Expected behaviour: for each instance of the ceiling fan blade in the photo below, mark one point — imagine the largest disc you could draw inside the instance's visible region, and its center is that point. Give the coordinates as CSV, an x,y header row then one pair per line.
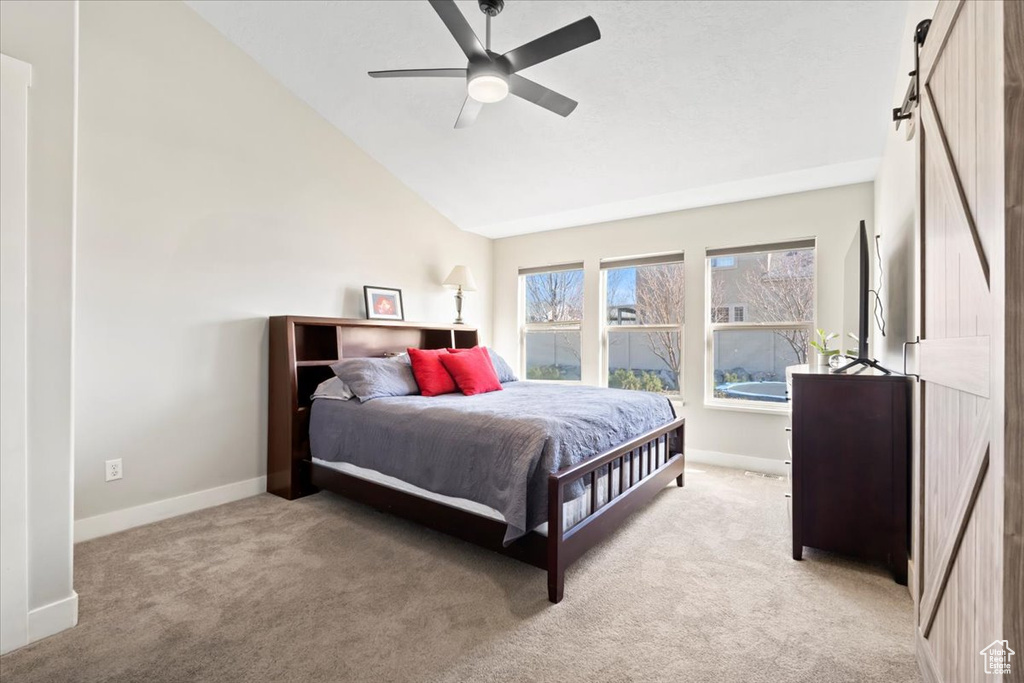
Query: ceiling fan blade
x,y
539,95
459,28
470,109
419,73
576,34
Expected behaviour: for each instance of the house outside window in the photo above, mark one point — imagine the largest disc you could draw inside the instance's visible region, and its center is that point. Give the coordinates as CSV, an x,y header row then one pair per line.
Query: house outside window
x,y
643,325
552,304
733,313
722,262
760,316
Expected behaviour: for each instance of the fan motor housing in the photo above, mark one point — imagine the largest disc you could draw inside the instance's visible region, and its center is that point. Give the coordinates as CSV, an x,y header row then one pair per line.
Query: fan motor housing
x,y
488,80
498,66
492,8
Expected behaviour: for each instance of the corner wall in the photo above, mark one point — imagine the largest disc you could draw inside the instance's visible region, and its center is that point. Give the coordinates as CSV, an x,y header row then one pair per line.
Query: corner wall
x,y
45,36
210,199
726,436
896,213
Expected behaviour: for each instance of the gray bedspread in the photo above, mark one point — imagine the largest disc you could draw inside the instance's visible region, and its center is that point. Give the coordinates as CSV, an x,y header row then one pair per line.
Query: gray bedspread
x,y
496,449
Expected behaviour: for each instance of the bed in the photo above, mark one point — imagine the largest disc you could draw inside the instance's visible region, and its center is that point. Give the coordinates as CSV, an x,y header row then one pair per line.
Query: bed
x,y
538,472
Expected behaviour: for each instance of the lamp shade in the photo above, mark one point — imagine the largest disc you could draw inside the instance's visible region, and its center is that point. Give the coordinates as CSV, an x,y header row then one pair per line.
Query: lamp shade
x,y
461,276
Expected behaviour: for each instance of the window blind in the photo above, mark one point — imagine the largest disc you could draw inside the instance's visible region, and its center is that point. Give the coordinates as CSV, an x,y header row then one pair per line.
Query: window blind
x,y
560,268
758,248
635,261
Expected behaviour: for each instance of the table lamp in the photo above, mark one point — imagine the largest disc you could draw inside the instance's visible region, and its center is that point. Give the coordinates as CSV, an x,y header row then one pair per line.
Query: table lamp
x,y
460,277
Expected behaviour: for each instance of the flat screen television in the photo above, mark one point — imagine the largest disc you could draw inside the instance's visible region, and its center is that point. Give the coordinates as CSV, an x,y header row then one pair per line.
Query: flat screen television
x,y
862,305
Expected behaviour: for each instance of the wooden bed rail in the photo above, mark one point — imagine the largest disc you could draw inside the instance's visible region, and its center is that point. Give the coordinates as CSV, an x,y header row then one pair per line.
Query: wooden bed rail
x,y
652,459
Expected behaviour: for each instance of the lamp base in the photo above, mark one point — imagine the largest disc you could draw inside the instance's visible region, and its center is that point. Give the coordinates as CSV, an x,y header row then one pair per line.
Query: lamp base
x,y
458,307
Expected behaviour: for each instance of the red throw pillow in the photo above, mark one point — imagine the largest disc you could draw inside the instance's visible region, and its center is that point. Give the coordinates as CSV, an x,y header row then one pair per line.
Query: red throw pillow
x,y
472,348
472,370
430,374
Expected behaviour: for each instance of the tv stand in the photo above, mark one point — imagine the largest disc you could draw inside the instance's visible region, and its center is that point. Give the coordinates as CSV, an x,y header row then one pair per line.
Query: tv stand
x,y
851,471
866,362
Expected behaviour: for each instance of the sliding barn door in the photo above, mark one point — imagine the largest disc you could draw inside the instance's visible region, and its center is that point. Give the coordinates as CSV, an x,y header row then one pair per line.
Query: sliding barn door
x,y
960,479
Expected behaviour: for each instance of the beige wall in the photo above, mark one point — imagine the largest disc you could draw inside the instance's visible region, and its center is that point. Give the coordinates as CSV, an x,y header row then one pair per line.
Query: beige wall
x,y
830,215
211,198
45,35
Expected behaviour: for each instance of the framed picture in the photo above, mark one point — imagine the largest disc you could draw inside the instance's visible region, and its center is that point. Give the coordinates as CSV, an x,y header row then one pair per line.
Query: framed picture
x,y
383,303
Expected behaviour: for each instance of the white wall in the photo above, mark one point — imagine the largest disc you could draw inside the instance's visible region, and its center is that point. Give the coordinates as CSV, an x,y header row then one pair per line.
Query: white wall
x,y
15,78
45,35
830,215
896,223
895,211
210,199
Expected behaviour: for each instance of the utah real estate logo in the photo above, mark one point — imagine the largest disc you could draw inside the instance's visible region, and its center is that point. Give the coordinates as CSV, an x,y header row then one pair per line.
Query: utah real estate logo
x,y
997,658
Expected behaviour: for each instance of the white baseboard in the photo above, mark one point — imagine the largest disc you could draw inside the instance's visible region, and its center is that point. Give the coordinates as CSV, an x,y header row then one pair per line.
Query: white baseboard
x,y
120,520
739,462
51,619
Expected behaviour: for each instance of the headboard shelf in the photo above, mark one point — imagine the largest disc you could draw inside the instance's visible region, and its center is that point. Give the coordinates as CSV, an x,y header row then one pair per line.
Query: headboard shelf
x,y
361,322
316,342
302,349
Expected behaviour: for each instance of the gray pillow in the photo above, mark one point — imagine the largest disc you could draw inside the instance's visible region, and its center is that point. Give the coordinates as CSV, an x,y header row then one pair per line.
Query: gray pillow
x,y
502,368
369,378
333,389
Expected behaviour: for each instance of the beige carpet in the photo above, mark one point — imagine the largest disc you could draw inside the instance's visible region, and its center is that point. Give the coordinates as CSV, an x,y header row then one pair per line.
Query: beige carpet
x,y
699,586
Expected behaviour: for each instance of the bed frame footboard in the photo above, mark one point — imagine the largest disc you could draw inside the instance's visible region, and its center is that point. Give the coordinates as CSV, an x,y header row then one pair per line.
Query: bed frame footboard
x,y
620,481
644,465
302,350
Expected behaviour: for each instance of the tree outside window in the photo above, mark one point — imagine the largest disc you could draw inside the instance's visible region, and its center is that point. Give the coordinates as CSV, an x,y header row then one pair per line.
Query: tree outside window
x,y
761,313
551,330
644,326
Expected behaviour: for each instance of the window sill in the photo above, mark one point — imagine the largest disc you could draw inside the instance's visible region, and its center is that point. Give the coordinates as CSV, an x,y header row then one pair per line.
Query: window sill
x,y
781,409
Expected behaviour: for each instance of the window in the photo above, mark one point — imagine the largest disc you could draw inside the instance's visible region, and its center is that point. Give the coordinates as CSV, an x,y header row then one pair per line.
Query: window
x,y
553,312
644,324
760,318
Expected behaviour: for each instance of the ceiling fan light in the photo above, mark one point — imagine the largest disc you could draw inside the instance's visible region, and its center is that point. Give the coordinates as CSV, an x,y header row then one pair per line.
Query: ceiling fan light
x,y
488,88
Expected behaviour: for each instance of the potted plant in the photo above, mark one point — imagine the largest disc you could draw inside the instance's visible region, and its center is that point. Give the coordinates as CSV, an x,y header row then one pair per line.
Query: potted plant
x,y
823,351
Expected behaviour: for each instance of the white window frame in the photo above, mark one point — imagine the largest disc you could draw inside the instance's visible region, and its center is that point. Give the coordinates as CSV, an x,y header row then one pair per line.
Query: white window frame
x,y
607,329
526,328
739,404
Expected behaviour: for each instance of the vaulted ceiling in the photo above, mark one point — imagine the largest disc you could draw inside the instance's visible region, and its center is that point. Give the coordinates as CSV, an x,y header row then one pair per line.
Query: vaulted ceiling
x,y
681,103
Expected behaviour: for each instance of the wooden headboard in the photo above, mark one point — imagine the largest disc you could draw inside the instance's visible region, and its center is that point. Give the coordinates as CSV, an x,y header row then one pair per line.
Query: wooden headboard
x,y
301,352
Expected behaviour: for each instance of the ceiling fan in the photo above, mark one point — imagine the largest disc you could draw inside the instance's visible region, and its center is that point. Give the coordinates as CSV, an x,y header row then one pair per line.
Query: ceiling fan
x,y
490,77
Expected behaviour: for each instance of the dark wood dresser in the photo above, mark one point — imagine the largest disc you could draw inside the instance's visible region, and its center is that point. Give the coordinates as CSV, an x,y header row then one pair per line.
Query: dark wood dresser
x,y
851,460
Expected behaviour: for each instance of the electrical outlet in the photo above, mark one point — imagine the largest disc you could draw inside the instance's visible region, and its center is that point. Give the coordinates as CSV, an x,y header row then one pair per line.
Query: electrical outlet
x,y
113,469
